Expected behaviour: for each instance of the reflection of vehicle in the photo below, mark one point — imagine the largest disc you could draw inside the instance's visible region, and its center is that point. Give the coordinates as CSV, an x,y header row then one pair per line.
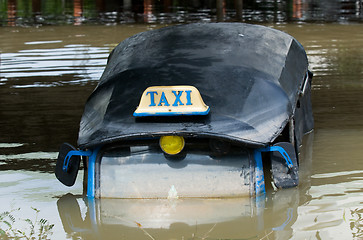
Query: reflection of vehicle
x,y
194,111
228,218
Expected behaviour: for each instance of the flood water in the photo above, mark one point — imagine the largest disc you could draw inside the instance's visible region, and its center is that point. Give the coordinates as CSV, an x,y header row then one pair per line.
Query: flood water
x,y
46,75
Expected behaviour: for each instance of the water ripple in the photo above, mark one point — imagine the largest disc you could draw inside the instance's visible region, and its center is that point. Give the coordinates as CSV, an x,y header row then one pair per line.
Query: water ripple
x,y
79,60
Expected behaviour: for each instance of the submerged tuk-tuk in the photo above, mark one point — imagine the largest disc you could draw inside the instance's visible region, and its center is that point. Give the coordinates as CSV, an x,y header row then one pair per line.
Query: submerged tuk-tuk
x,y
197,110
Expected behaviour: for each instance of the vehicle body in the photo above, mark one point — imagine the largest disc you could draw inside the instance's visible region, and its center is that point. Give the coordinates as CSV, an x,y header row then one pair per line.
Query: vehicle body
x,y
227,100
227,218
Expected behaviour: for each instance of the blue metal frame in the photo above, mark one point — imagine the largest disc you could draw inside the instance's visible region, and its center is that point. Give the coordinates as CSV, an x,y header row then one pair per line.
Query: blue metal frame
x,y
282,151
259,176
91,173
260,181
92,154
74,153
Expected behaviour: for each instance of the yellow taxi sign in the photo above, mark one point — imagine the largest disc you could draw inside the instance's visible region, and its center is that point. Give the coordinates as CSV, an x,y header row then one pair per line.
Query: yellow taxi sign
x,y
171,100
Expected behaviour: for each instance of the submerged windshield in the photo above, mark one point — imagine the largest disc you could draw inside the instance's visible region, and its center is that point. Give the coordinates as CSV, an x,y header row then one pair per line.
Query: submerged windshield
x,y
146,172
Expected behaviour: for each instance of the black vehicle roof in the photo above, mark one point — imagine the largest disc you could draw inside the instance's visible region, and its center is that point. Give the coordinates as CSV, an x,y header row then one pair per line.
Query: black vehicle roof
x,y
249,76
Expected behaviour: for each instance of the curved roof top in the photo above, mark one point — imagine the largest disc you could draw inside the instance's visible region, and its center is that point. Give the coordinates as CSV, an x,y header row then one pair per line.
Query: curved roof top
x,y
248,75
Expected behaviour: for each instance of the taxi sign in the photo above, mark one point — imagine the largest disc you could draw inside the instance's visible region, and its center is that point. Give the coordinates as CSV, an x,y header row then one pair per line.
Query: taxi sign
x,y
171,100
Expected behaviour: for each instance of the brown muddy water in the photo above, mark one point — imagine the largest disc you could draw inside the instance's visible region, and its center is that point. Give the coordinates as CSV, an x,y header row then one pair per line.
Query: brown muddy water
x,y
46,75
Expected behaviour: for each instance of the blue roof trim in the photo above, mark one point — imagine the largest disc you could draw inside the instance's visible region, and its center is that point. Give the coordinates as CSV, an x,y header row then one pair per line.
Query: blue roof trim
x,y
172,114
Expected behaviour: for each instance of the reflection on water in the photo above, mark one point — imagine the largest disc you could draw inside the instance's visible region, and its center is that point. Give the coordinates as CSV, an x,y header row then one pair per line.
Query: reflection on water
x,y
178,219
46,75
69,59
77,12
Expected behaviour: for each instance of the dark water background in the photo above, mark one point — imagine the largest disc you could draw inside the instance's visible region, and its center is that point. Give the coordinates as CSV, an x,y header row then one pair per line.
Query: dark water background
x,y
111,12
47,72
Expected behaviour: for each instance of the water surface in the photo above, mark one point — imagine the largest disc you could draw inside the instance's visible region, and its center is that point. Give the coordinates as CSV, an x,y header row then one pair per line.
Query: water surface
x,y
46,75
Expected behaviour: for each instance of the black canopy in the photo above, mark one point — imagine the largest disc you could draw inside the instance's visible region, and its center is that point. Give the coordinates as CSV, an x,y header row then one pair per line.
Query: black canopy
x,y
249,76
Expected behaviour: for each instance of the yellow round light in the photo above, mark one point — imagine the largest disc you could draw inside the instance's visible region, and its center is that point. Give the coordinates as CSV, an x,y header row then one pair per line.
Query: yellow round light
x,y
172,144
